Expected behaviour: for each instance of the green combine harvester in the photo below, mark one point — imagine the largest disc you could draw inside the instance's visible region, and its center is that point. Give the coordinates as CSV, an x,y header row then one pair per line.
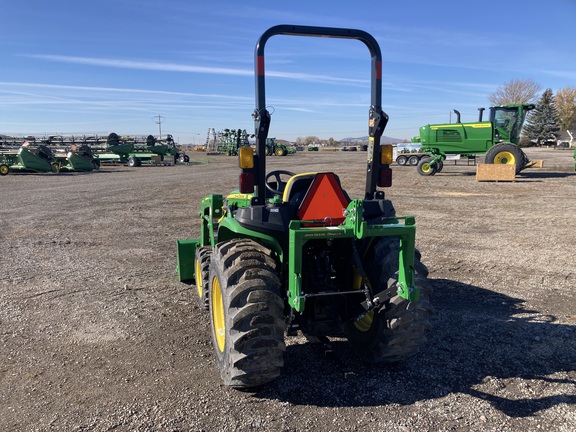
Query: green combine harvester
x,y
498,138
290,252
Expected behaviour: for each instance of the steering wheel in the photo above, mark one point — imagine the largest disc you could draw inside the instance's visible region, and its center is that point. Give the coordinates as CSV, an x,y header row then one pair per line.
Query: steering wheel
x,y
279,184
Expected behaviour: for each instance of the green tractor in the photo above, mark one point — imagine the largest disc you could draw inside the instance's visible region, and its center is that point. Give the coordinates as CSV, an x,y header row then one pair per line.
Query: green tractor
x,y
293,252
273,147
498,138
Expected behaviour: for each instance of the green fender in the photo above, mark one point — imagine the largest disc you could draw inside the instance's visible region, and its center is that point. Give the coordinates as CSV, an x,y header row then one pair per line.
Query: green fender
x,y
229,229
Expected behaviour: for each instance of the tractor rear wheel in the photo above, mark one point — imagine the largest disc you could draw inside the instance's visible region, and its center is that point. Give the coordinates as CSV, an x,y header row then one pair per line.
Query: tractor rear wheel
x,y
426,168
507,154
398,329
246,313
201,273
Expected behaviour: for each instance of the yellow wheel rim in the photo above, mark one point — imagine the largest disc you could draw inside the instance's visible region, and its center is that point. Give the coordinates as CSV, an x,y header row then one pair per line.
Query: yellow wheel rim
x,y
505,158
218,314
364,323
198,276
4,169
426,167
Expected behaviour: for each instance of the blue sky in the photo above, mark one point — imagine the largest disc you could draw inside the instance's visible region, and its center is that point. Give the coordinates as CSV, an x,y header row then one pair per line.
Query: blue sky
x,y
94,67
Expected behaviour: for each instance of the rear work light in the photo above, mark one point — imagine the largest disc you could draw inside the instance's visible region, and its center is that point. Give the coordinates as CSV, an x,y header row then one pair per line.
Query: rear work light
x,y
247,182
246,157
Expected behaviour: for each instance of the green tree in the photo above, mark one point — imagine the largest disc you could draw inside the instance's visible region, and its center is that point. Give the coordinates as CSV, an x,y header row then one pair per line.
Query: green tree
x,y
517,91
565,101
542,122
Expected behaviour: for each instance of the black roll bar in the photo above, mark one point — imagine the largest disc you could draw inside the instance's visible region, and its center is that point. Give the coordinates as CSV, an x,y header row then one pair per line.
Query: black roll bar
x,y
377,118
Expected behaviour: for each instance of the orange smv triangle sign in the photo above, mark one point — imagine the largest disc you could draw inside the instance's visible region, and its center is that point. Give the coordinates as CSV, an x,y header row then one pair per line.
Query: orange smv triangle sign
x,y
325,201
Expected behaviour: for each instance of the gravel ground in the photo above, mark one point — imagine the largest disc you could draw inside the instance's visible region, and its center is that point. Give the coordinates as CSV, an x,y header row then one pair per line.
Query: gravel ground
x,y
97,334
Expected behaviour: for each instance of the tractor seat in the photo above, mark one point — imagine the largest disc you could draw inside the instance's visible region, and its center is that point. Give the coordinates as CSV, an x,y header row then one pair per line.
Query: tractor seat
x,y
317,197
296,188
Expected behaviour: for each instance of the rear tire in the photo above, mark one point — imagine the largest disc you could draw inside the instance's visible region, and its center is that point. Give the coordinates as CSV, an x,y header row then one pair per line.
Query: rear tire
x,y
398,329
413,160
246,313
506,154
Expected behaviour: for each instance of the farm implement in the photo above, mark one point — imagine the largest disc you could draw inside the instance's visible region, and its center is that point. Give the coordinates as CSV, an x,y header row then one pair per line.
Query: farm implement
x,y
39,159
289,252
134,153
498,138
42,158
229,141
85,153
77,158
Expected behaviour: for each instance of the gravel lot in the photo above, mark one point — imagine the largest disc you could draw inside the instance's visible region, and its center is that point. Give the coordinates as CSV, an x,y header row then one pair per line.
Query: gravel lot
x,y
97,334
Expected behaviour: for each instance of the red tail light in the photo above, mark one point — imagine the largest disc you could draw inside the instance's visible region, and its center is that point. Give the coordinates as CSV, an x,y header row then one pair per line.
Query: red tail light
x,y
247,182
385,179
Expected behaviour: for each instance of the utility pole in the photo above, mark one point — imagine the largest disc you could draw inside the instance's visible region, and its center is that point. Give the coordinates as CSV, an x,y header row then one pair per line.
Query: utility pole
x,y
158,121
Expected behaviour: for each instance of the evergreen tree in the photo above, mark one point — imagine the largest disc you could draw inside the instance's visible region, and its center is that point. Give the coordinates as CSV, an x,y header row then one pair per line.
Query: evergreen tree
x,y
542,122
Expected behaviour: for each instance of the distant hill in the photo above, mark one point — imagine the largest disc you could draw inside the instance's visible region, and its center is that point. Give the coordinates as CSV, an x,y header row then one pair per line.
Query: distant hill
x,y
383,140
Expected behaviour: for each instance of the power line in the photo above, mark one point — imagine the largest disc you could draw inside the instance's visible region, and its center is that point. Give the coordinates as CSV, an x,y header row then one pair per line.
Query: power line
x,y
158,121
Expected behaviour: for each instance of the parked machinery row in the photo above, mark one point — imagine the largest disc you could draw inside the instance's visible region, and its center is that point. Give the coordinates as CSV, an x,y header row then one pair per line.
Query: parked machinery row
x,y
56,153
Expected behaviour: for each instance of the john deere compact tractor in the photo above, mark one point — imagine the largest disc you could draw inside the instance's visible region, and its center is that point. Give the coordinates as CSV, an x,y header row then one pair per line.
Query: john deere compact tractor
x,y
294,252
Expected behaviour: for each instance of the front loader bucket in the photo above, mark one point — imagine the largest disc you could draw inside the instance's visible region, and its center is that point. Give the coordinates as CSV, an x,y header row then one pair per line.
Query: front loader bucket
x,y
186,250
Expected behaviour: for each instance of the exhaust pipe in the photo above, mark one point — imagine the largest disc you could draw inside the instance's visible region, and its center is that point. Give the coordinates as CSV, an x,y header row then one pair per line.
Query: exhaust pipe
x,y
457,116
480,113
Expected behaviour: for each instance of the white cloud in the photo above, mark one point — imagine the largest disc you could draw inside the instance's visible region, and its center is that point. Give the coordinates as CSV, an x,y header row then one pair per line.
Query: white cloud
x,y
173,67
